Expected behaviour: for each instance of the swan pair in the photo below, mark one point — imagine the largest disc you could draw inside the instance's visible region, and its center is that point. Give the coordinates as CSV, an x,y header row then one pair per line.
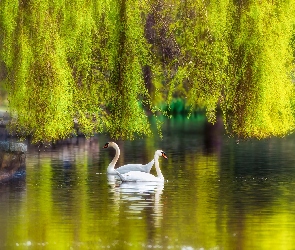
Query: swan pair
x,y
135,172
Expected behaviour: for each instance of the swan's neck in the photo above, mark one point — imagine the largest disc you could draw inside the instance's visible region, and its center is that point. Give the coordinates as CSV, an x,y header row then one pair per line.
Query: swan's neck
x,y
159,173
111,166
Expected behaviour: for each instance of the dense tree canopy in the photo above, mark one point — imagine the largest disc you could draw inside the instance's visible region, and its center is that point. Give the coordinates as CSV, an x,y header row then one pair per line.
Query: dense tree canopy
x,y
106,65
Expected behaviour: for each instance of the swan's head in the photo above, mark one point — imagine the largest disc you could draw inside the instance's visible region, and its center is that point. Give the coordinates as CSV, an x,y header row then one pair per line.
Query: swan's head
x,y
161,153
111,144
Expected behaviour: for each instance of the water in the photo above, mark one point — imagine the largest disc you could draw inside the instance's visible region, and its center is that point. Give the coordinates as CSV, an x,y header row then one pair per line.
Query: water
x,y
220,194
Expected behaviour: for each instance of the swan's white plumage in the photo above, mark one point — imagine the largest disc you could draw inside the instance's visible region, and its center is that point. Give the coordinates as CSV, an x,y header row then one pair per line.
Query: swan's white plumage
x,y
137,176
126,168
135,167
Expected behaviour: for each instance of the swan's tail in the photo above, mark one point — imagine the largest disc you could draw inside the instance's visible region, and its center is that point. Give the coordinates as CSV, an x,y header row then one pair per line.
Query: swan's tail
x,y
120,175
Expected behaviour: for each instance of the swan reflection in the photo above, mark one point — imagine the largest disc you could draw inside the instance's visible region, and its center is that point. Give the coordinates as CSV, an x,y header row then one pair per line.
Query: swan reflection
x,y
141,200
141,187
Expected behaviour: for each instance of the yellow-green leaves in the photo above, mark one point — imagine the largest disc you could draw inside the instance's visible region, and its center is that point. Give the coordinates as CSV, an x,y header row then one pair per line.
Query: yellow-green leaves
x,y
126,52
102,64
261,90
68,63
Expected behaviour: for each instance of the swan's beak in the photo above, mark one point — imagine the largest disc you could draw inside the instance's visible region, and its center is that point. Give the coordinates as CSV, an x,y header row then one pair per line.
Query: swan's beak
x,y
164,155
106,145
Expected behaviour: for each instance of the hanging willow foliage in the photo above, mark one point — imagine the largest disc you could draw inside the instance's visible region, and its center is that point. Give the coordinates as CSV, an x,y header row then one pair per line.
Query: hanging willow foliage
x,y
127,54
202,34
236,56
103,64
259,98
40,81
75,61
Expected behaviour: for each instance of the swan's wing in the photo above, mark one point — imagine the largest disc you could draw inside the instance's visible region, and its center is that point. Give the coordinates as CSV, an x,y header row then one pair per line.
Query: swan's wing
x,y
135,167
122,178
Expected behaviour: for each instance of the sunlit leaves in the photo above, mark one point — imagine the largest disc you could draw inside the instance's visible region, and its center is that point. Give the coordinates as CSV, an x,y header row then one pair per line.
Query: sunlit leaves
x,y
40,84
102,64
126,54
261,90
201,29
8,20
237,57
68,63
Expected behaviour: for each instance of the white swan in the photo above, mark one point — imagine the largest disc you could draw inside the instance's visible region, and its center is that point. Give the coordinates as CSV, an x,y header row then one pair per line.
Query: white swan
x,y
142,176
126,168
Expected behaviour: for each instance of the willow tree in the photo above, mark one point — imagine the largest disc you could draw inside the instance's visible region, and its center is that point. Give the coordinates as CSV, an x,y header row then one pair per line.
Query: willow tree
x,y
165,52
39,78
201,31
102,63
127,53
75,61
258,100
235,56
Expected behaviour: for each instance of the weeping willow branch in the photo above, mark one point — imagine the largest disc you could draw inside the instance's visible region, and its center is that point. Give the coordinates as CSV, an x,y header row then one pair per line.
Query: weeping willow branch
x,y
103,64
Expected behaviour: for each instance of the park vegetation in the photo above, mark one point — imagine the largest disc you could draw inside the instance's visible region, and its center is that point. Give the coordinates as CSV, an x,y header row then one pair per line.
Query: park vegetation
x,y
107,65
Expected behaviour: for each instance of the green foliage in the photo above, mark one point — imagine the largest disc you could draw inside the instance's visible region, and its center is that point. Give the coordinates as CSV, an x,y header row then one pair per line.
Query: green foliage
x,y
205,53
259,99
40,84
236,57
82,61
126,91
67,65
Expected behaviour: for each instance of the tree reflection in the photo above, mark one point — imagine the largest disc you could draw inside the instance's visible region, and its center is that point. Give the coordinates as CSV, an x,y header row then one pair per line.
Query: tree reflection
x,y
238,197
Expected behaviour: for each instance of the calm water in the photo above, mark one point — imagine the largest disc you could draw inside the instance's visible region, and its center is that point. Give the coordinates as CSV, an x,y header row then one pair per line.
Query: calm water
x,y
220,194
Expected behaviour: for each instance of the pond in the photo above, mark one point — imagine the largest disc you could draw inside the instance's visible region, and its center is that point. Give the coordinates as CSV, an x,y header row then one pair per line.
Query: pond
x,y
220,193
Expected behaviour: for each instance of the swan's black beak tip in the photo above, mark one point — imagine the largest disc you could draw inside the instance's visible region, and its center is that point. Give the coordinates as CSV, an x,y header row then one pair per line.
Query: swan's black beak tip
x,y
106,145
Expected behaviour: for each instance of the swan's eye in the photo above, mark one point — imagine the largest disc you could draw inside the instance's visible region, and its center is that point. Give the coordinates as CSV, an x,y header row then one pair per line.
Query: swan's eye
x,y
106,145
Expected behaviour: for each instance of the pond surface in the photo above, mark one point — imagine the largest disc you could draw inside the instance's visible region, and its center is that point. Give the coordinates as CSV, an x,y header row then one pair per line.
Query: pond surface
x,y
220,194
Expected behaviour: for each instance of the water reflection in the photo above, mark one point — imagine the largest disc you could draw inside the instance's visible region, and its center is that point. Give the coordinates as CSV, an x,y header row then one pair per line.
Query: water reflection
x,y
235,196
142,200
